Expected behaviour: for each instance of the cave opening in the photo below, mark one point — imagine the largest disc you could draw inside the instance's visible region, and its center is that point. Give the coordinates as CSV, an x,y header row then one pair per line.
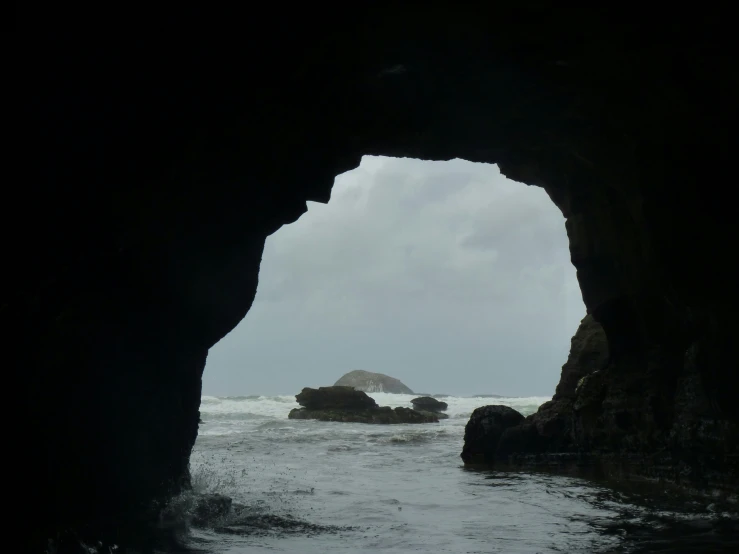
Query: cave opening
x,y
444,274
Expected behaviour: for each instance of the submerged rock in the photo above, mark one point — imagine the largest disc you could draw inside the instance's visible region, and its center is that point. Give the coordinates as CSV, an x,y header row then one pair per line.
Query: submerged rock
x,y
210,507
372,382
484,431
245,522
352,406
429,404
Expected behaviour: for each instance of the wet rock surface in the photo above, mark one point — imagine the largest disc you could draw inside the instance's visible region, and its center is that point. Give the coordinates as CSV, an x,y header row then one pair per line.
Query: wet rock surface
x,y
245,523
335,398
210,507
347,405
609,418
484,430
429,404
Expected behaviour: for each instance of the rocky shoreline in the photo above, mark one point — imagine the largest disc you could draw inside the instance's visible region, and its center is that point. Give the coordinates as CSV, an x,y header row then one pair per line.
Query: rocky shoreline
x,y
617,423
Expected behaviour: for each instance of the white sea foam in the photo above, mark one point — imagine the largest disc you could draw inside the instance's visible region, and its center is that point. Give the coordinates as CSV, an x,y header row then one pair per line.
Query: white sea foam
x,y
228,415
460,406
271,406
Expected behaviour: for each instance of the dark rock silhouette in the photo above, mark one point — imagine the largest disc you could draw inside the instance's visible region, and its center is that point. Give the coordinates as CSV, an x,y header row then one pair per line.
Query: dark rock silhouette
x,y
484,431
349,405
335,398
429,404
368,381
575,410
604,413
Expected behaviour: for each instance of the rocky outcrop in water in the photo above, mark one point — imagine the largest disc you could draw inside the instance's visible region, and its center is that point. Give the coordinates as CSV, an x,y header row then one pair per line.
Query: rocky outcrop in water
x,y
153,176
608,417
484,431
430,405
335,398
348,405
577,401
368,381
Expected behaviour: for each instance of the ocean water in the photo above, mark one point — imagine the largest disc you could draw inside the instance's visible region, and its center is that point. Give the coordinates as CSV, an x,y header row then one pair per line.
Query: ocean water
x,y
321,487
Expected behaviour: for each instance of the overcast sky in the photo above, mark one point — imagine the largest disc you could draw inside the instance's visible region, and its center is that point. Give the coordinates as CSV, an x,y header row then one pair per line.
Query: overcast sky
x,y
445,275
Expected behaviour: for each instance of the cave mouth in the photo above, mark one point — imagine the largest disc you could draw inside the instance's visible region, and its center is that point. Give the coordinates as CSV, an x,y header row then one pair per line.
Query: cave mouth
x,y
445,275
412,268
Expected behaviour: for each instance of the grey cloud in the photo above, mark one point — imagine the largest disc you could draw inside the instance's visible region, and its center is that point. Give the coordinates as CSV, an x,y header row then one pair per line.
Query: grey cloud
x,y
443,274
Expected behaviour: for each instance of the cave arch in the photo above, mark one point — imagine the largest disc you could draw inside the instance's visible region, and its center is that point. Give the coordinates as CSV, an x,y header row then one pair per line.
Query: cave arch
x,y
145,221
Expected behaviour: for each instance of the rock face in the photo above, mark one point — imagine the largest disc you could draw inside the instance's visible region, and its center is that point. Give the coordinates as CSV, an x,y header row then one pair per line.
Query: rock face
x,y
484,430
153,176
335,398
553,426
372,382
345,404
429,404
607,415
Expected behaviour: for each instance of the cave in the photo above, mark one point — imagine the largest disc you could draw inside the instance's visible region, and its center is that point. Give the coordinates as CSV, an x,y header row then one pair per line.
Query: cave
x,y
151,176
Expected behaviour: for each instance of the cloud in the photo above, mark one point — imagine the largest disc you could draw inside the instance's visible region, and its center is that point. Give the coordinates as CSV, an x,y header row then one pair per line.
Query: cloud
x,y
444,274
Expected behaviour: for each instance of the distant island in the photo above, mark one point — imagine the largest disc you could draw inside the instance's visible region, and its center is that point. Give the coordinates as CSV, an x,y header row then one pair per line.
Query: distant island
x,y
367,381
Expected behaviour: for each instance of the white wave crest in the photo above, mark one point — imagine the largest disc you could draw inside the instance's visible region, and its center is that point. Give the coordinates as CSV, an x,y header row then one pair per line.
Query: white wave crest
x,y
279,406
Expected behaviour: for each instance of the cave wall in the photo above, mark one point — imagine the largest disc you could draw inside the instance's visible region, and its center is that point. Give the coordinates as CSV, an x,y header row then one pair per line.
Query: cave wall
x,y
151,175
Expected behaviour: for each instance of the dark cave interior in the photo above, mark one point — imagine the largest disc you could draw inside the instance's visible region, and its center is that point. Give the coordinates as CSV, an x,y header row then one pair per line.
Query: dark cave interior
x,y
152,176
